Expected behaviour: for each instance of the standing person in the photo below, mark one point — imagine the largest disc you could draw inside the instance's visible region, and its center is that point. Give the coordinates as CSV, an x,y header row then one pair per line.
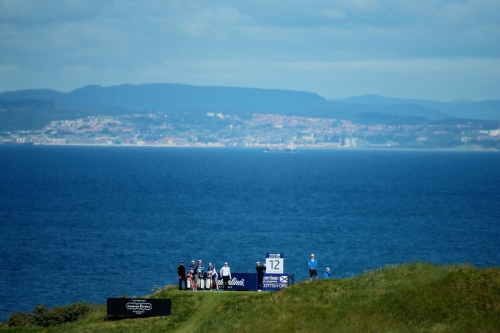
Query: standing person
x,y
313,265
215,277
212,276
200,269
181,272
192,271
225,272
260,275
326,274
189,280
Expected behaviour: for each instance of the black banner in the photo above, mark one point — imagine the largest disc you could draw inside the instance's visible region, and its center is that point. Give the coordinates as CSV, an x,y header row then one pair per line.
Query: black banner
x,y
139,307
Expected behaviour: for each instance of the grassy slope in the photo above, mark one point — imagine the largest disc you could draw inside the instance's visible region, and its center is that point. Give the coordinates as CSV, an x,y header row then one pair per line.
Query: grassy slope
x,y
403,298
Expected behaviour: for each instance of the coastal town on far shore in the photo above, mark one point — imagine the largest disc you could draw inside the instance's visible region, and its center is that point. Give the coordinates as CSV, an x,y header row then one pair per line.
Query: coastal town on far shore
x,y
273,131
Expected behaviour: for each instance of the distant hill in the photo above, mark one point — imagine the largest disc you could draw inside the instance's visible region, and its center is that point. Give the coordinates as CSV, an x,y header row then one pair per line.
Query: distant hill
x,y
401,110
485,110
179,97
26,103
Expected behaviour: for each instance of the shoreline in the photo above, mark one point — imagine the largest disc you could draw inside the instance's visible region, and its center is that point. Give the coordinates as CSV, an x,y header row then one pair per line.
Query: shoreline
x,y
299,148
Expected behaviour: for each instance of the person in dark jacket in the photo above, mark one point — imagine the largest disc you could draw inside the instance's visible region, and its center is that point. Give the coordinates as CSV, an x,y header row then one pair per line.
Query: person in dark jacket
x,y
260,275
181,272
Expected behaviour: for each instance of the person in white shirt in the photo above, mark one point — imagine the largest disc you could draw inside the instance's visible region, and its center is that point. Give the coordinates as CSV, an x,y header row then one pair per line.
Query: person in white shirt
x,y
225,272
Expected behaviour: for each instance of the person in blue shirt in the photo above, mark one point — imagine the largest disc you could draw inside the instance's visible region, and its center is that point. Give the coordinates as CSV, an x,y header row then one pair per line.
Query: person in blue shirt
x,y
313,265
326,273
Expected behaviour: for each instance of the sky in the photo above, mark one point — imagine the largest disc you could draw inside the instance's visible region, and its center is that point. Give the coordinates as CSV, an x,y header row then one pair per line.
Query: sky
x,y
427,49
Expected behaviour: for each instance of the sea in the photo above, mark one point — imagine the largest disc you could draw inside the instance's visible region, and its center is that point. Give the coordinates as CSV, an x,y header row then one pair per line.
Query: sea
x,y
83,223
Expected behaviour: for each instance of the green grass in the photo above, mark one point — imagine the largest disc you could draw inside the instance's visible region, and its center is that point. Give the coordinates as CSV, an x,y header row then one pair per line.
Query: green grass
x,y
404,298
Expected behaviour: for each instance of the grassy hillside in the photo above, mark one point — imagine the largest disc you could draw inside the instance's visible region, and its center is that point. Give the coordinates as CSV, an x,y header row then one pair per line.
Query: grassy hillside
x,y
403,298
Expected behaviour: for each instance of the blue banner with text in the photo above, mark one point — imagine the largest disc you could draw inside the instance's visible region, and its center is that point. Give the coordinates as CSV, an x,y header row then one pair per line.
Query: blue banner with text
x,y
276,281
241,281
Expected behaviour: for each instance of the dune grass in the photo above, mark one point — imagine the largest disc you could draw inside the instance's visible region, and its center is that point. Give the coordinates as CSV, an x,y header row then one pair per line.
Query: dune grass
x,y
416,297
405,298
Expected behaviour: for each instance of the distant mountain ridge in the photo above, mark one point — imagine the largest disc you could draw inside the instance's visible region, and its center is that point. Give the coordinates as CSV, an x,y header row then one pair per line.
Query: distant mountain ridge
x,y
234,100
167,96
487,110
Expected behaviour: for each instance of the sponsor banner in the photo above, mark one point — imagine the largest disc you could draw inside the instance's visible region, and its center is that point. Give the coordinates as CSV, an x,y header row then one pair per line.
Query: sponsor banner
x,y
276,281
241,281
139,307
275,255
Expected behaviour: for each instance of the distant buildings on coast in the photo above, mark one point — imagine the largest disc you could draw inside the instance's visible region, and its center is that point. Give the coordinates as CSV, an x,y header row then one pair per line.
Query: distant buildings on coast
x,y
257,130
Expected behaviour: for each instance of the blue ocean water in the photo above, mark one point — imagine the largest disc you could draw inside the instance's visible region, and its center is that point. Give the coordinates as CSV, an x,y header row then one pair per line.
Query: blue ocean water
x,y
87,223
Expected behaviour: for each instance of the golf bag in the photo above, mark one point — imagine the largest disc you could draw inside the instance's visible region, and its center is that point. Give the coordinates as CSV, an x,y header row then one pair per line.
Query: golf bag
x,y
189,282
208,284
201,281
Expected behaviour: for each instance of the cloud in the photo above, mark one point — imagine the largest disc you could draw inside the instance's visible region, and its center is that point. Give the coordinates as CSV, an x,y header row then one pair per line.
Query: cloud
x,y
334,14
110,42
40,13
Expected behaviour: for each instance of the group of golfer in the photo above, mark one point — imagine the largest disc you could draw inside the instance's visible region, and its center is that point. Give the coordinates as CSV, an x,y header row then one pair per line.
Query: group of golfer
x,y
197,278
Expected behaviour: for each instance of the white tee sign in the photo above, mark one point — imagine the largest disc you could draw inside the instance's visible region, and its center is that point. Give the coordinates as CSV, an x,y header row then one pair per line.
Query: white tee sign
x,y
275,263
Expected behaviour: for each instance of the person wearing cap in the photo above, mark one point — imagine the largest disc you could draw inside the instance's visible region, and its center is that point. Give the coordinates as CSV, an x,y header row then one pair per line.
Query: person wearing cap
x,y
212,273
198,276
181,272
313,265
215,277
326,273
192,270
260,275
225,272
